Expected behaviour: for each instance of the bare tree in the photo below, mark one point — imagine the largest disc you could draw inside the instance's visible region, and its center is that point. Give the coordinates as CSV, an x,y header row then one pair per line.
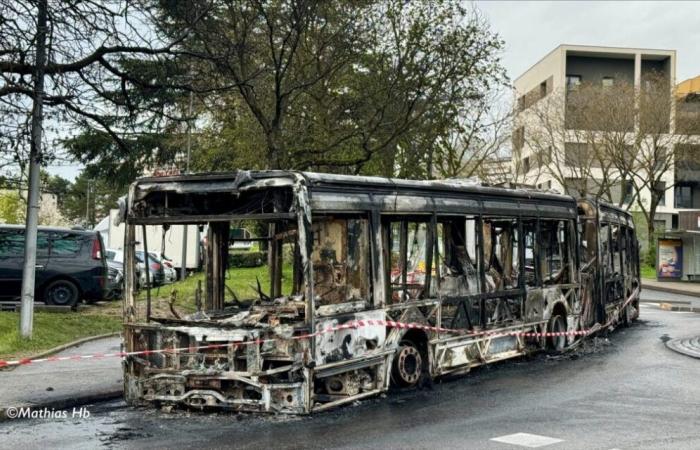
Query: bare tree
x,y
478,148
87,81
657,150
58,60
563,140
616,143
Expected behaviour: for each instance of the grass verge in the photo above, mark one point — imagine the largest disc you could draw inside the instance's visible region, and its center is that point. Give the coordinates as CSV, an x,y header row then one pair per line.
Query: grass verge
x,y
648,272
55,328
50,330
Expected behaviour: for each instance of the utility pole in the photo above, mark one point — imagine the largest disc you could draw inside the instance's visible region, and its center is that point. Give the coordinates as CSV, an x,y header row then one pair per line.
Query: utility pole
x,y
87,205
27,311
183,264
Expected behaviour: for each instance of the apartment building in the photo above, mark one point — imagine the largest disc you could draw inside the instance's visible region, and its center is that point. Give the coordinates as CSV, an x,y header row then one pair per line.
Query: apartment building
x,y
559,74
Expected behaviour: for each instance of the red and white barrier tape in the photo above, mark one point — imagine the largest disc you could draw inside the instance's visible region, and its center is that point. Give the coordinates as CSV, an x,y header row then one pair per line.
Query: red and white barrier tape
x,y
345,326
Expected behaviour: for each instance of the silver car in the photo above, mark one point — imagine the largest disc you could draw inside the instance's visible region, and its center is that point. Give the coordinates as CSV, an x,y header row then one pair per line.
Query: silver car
x,y
168,269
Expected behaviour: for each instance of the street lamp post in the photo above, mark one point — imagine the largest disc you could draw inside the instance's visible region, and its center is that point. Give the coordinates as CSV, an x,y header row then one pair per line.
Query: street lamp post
x,y
183,264
28,271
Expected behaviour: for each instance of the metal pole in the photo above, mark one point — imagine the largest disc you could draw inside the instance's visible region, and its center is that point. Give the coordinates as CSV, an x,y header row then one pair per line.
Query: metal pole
x,y
27,311
183,263
87,205
147,263
189,134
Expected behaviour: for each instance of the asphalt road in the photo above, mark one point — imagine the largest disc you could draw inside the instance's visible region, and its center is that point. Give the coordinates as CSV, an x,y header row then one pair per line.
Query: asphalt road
x,y
628,391
64,381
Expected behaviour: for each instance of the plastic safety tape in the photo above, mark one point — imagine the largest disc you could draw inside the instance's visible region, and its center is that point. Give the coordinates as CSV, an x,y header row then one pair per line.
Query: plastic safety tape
x,y
354,324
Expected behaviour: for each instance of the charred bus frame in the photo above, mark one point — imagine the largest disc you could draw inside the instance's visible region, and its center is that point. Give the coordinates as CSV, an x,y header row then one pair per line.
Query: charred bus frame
x,y
497,265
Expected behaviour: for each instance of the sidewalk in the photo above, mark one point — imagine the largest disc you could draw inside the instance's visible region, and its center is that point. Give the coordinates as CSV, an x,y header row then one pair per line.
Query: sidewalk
x,y
62,384
673,287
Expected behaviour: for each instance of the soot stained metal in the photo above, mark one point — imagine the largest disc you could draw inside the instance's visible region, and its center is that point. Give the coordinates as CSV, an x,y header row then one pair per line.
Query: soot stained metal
x,y
339,249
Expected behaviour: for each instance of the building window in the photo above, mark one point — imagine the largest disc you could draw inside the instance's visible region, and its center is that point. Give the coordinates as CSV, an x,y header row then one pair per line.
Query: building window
x,y
660,191
683,197
608,81
572,82
526,165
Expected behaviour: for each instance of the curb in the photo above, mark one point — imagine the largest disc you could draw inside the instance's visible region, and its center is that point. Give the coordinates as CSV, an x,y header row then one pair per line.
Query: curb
x,y
652,301
66,346
675,307
670,290
64,403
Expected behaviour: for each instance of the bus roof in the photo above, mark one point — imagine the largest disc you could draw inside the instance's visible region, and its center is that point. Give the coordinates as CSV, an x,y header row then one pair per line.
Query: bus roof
x,y
339,193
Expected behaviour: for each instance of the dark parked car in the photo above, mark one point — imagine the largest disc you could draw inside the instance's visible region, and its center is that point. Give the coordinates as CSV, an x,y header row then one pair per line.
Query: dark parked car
x,y
70,265
116,280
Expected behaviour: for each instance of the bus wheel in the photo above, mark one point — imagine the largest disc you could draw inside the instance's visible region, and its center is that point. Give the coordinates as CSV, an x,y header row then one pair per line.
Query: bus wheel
x,y
557,324
407,366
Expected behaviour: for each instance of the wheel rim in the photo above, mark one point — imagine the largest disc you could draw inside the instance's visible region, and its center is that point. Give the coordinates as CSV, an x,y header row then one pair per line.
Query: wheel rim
x,y
408,365
61,294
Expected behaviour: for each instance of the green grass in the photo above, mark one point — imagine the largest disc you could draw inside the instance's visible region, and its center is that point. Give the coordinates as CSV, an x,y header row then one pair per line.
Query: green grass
x,y
50,329
240,280
53,328
648,272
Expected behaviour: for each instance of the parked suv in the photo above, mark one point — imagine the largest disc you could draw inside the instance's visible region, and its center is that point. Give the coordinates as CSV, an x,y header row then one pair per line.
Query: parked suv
x,y
70,265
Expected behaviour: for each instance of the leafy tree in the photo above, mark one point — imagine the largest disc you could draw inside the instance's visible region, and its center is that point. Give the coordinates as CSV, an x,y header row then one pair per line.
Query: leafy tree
x,y
88,199
11,207
56,185
354,87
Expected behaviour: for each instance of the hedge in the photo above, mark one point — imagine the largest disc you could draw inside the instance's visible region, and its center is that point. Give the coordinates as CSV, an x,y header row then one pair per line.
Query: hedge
x,y
247,259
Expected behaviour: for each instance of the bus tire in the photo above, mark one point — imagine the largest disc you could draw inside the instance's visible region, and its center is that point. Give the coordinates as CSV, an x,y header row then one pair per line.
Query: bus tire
x,y
557,324
407,366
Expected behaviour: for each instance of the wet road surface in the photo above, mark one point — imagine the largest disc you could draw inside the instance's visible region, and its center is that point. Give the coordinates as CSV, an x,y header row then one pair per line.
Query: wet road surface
x,y
628,391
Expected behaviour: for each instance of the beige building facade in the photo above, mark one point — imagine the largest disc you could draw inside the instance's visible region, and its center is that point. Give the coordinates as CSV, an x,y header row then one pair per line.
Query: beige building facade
x,y
552,81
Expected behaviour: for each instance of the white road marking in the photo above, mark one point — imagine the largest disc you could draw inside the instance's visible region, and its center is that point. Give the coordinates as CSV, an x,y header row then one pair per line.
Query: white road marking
x,y
527,440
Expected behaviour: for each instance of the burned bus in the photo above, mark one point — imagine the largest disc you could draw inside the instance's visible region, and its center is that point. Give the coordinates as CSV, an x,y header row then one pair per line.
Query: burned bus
x,y
369,283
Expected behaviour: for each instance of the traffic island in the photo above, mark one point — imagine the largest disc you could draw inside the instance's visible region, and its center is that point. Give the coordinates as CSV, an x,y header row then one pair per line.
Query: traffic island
x,y
689,346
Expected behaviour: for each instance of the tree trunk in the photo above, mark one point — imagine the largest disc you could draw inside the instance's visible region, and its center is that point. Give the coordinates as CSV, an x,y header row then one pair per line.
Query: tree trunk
x,y
650,243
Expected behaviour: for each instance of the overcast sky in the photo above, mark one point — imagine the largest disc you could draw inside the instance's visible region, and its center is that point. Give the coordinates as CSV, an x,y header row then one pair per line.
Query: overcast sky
x,y
533,29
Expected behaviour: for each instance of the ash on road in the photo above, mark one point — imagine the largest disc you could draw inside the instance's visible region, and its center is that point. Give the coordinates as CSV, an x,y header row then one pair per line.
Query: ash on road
x,y
627,392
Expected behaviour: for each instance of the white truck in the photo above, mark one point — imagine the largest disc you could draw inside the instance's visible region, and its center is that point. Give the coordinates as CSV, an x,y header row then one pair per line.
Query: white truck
x,y
167,242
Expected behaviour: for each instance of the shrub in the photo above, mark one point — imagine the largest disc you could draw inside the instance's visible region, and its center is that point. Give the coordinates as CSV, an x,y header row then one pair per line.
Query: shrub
x,y
247,259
